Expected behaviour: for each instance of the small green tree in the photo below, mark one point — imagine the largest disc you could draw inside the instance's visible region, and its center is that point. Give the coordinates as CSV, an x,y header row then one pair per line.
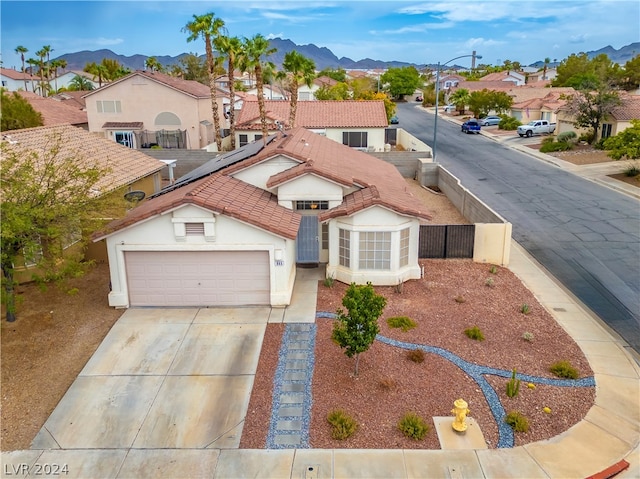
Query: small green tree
x,y
460,98
356,330
17,113
401,81
626,144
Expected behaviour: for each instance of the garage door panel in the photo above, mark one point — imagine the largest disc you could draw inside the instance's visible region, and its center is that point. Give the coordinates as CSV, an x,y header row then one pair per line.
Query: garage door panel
x,y
214,278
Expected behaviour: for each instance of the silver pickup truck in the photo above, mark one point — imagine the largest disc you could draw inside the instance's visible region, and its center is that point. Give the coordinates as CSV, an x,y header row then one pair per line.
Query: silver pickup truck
x,y
536,127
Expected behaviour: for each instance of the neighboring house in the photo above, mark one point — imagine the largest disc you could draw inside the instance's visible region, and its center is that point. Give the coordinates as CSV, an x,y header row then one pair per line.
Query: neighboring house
x,y
149,109
13,80
449,81
269,92
359,124
73,98
308,92
537,108
128,169
508,76
541,76
233,231
64,80
619,119
55,112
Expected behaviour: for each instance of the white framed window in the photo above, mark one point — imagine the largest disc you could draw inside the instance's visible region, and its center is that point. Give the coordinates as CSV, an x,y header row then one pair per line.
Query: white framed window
x,y
405,234
109,106
344,248
375,250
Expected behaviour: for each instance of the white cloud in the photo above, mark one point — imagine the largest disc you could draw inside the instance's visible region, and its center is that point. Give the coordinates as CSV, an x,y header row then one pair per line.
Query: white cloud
x,y
271,36
106,41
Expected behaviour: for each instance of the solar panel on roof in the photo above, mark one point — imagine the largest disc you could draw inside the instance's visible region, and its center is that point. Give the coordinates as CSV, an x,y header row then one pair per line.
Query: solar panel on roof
x,y
218,163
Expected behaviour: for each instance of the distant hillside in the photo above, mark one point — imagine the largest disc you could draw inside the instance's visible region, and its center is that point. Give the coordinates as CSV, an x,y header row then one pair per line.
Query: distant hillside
x,y
323,57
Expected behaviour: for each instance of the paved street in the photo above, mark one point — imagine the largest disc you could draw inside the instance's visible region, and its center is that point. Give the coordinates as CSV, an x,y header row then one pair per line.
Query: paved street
x,y
585,234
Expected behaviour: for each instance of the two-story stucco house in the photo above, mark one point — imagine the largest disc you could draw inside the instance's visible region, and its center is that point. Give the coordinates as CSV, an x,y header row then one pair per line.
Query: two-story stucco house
x,y
359,124
13,80
146,109
233,231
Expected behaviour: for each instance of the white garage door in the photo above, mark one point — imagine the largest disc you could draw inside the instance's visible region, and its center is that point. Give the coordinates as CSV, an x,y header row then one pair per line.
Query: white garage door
x,y
197,278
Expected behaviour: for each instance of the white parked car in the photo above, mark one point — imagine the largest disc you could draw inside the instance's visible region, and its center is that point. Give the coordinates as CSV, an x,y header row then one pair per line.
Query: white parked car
x,y
449,108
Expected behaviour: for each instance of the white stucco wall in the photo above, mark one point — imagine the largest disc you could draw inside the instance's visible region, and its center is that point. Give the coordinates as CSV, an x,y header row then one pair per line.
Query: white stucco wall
x,y
158,234
374,219
375,136
258,175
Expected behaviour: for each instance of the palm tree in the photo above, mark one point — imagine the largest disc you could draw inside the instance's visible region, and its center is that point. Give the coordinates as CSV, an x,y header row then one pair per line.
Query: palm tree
x,y
41,54
98,70
207,26
298,69
460,98
153,64
22,50
32,64
547,60
232,48
80,83
255,48
55,64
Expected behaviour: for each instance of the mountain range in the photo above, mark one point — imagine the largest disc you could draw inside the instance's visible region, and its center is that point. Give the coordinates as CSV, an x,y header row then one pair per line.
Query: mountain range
x,y
322,56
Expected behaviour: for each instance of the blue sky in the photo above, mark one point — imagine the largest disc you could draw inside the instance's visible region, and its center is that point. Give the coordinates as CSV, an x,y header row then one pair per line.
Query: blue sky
x,y
419,32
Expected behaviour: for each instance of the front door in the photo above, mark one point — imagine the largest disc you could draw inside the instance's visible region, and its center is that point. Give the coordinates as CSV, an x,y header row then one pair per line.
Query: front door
x,y
307,241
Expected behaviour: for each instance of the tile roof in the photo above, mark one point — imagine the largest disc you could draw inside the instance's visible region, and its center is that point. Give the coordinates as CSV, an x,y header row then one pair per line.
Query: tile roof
x,y
126,165
628,110
221,194
189,87
551,101
317,114
380,182
74,98
53,111
16,75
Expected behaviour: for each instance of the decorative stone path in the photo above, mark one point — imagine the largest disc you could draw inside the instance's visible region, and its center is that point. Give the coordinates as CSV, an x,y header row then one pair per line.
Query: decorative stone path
x,y
291,410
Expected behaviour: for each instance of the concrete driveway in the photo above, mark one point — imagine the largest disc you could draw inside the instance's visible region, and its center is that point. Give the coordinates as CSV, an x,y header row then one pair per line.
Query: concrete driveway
x,y
164,379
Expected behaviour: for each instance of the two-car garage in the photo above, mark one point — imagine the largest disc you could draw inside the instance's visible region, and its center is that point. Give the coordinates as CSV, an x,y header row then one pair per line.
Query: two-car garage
x,y
198,278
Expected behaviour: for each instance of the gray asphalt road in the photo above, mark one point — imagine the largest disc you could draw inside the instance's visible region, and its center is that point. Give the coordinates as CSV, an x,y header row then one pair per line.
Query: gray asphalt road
x,y
586,235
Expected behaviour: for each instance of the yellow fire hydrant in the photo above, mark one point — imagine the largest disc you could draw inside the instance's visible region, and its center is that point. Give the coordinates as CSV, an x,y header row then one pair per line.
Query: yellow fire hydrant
x,y
460,410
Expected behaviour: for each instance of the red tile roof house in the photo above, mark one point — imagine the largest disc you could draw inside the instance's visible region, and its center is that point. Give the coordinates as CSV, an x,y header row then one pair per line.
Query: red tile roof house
x,y
233,232
13,80
175,113
359,124
55,112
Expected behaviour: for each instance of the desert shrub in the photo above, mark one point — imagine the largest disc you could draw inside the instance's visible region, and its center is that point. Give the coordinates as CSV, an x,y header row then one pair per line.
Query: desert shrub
x,y
413,426
489,283
513,385
416,355
517,421
549,145
493,269
633,169
525,308
402,322
586,137
509,123
328,282
474,333
387,384
527,336
567,137
343,425
564,369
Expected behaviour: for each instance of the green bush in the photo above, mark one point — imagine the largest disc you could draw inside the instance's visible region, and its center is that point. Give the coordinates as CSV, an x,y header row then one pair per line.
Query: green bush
x,y
586,137
517,421
549,145
474,333
402,322
413,426
343,424
527,336
509,123
328,282
564,369
513,385
525,309
493,269
632,170
416,355
567,137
